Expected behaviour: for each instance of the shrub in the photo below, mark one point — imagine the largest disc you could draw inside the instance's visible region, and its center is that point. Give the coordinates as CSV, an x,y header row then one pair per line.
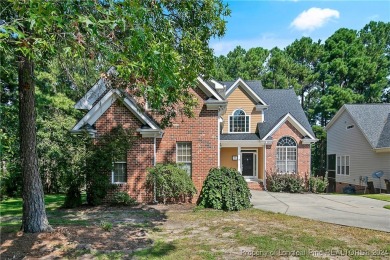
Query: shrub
x,y
123,198
318,184
285,182
225,189
170,182
73,197
105,225
107,148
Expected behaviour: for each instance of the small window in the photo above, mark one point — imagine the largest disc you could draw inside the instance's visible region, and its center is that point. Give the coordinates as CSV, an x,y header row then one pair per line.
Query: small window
x,y
346,165
343,163
239,122
350,127
184,156
119,172
338,165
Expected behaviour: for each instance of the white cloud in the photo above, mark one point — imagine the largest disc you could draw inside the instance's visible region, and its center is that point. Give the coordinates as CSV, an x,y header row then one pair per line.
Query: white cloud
x,y
314,18
267,41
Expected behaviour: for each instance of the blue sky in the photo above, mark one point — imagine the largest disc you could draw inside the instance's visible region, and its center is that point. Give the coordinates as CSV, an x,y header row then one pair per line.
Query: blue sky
x,y
269,23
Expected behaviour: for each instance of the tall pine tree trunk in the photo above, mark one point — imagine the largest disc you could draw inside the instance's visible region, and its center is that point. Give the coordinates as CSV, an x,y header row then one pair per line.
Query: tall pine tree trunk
x,y
34,213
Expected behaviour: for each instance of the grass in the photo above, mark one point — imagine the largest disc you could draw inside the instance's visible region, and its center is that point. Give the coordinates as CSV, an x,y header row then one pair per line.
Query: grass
x,y
383,197
11,212
217,234
212,234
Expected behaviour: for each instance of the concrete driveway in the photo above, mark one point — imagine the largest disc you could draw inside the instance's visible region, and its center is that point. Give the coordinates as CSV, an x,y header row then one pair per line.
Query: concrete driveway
x,y
345,210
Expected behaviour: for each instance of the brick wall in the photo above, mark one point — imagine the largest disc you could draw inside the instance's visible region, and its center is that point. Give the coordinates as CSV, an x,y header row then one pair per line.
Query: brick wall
x,y
139,158
201,131
303,156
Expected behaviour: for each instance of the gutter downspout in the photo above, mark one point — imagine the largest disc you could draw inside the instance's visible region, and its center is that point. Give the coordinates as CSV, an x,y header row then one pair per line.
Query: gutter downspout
x,y
265,167
219,142
154,164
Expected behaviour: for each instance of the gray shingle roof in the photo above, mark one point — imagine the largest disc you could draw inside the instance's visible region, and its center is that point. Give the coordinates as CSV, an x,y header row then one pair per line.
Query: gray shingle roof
x,y
280,101
374,121
246,136
253,84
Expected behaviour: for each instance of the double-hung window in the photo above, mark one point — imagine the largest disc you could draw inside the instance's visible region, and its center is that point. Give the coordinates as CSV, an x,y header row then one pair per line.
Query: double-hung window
x,y
343,162
239,122
286,155
119,171
184,155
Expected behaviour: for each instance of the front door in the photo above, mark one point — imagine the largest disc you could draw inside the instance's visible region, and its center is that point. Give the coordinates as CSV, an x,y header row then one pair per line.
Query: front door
x,y
249,164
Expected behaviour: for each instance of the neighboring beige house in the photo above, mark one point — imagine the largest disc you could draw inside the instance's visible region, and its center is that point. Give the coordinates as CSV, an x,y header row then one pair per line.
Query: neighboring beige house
x,y
359,145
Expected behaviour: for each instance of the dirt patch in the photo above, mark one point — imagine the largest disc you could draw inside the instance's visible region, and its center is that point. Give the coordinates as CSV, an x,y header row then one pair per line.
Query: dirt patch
x,y
107,230
72,241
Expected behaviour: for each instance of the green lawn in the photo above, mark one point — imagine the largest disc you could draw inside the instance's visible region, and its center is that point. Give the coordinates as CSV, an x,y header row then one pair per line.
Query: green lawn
x,y
186,233
384,197
11,212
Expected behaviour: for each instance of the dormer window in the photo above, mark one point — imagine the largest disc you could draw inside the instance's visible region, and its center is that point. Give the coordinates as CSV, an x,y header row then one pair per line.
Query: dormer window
x,y
239,122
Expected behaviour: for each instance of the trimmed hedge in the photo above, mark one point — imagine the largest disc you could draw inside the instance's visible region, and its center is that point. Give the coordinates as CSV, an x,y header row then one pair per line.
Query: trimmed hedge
x,y
285,182
225,189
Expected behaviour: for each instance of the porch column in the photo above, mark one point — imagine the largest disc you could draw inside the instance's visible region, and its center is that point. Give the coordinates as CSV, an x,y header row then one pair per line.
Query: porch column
x,y
239,158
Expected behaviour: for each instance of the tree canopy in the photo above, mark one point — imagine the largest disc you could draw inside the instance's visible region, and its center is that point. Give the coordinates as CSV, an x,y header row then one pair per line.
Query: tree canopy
x,y
157,47
349,67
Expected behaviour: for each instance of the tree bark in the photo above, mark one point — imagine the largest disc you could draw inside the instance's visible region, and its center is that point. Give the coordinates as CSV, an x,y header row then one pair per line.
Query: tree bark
x,y
34,213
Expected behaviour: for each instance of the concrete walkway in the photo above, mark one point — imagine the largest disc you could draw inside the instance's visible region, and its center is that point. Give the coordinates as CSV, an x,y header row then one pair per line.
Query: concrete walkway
x,y
355,211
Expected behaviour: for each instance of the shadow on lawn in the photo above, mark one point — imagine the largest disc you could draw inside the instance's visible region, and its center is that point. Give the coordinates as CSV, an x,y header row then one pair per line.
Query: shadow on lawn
x,y
80,231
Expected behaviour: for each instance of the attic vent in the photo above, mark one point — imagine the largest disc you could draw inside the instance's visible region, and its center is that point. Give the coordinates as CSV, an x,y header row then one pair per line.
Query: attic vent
x,y
350,127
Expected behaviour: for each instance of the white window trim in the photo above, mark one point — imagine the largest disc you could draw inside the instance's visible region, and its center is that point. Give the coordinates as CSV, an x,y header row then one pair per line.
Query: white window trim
x,y
112,173
343,165
249,122
285,161
177,154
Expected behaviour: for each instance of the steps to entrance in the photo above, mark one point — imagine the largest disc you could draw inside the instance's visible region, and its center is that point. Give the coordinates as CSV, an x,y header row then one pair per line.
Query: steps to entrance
x,y
254,185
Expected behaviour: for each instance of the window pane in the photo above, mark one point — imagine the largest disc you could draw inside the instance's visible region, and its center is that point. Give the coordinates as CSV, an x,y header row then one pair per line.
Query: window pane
x,y
239,122
338,165
291,166
119,172
184,155
281,166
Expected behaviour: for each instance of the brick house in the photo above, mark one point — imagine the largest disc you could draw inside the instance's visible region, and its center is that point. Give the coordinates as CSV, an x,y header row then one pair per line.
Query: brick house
x,y
237,124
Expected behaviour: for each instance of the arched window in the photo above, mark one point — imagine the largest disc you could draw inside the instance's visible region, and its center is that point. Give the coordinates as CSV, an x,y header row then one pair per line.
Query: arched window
x,y
239,122
286,155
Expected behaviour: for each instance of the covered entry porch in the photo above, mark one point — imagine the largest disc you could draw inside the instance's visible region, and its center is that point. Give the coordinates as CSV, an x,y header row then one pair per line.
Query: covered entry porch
x,y
248,157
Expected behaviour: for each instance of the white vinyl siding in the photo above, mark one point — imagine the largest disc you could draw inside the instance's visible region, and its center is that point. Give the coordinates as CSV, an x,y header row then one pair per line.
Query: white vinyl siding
x,y
363,160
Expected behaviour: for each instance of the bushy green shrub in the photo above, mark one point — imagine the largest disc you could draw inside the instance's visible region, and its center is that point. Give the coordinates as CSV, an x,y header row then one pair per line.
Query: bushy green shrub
x,y
123,198
170,182
73,197
318,184
107,148
225,189
285,182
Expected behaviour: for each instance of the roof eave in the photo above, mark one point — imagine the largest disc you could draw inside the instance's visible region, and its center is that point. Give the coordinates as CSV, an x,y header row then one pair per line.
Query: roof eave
x,y
382,150
293,121
215,105
146,133
237,143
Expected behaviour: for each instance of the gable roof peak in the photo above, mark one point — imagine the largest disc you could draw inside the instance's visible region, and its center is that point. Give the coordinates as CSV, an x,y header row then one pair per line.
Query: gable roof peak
x,y
247,88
